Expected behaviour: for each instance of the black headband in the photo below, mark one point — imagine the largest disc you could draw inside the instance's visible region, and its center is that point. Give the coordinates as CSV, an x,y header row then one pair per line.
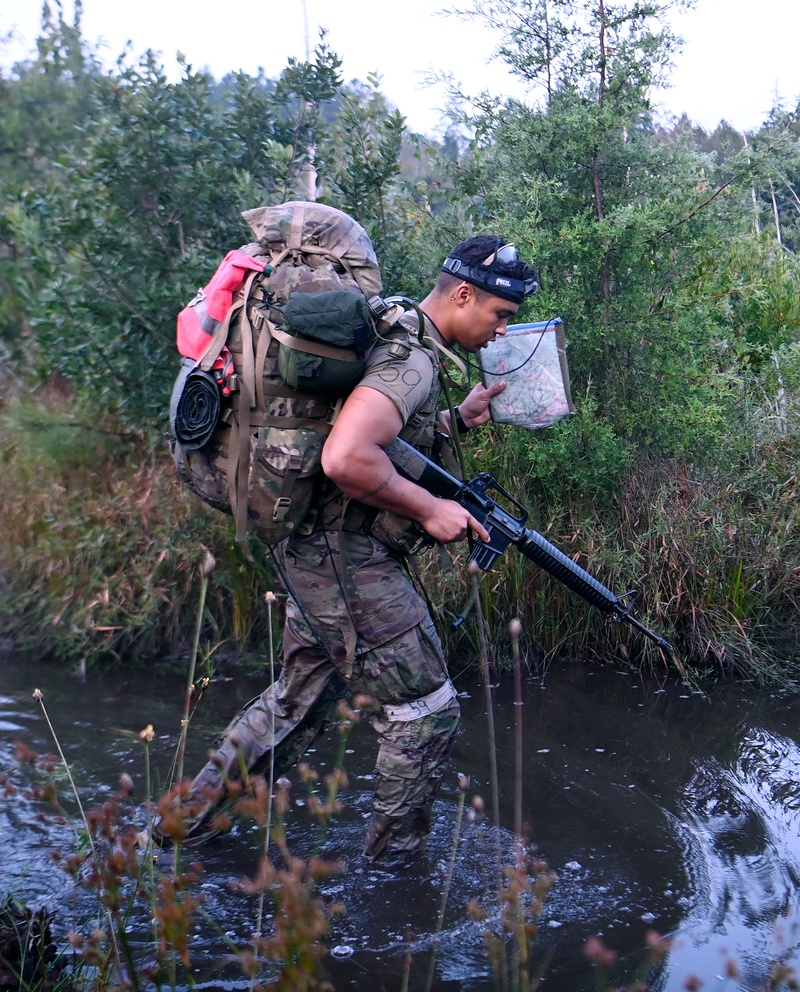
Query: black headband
x,y
513,290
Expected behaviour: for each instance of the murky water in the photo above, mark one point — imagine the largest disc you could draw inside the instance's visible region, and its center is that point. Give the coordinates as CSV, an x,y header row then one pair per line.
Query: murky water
x,y
658,809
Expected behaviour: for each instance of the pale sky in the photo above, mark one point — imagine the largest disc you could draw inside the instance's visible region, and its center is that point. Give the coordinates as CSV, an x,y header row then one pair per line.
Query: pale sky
x,y
738,57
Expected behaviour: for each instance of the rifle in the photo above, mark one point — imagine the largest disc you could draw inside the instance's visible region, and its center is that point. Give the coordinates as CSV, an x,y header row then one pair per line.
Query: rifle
x,y
506,525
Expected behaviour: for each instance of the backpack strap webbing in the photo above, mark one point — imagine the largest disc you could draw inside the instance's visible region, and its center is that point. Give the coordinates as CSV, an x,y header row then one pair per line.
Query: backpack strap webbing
x,y
264,337
306,249
219,337
348,240
295,238
313,347
239,455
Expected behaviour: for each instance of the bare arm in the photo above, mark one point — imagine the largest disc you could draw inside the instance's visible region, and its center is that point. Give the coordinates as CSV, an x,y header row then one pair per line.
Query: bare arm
x,y
353,458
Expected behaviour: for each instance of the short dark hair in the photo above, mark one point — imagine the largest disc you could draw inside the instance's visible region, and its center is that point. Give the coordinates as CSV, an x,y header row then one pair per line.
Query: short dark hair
x,y
510,280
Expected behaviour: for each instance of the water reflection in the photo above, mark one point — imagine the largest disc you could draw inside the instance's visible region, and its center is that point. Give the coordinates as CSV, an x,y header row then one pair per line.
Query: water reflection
x,y
659,809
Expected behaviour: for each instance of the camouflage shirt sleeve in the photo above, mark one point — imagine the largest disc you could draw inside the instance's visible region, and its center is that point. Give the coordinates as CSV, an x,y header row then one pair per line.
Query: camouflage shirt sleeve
x,y
407,382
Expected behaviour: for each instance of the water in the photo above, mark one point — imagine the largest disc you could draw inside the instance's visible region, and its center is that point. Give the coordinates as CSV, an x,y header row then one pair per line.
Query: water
x,y
658,808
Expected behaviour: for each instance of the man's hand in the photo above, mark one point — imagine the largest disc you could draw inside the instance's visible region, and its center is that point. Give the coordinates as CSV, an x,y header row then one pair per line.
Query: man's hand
x,y
474,408
449,521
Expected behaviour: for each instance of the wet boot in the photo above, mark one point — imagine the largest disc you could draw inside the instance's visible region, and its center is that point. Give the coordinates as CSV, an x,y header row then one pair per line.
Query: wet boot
x,y
193,813
266,736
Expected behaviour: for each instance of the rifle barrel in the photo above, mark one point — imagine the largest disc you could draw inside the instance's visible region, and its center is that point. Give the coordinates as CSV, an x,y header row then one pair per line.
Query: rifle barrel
x,y
547,556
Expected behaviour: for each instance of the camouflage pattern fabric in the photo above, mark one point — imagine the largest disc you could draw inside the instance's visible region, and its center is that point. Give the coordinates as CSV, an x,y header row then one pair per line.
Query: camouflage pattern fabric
x,y
354,624
315,225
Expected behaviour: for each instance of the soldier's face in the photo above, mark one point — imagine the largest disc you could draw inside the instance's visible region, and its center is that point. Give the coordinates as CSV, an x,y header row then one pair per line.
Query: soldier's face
x,y
485,319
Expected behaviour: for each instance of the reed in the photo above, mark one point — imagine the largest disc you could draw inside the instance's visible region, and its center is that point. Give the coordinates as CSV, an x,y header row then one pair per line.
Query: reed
x,y
130,882
463,785
206,571
99,826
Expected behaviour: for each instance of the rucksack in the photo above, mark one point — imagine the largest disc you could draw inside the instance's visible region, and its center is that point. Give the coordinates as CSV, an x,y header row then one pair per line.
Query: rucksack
x,y
272,346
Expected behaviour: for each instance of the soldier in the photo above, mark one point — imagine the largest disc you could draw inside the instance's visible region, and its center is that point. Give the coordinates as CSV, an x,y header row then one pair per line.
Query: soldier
x,y
354,621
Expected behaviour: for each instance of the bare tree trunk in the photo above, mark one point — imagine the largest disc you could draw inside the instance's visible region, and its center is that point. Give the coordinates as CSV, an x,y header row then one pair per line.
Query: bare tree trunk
x,y
602,80
549,52
753,194
775,212
605,272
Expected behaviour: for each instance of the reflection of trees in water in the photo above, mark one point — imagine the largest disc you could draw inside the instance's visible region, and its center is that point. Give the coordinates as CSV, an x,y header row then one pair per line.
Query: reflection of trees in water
x,y
689,799
740,824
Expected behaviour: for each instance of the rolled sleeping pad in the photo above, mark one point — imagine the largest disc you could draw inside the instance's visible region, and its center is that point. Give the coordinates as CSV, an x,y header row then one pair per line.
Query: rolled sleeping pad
x,y
195,407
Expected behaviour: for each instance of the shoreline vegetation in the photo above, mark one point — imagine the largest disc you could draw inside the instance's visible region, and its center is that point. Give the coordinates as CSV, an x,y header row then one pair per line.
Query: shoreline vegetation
x,y
101,546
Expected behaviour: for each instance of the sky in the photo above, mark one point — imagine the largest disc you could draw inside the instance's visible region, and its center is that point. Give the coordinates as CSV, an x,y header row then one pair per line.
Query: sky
x,y
738,58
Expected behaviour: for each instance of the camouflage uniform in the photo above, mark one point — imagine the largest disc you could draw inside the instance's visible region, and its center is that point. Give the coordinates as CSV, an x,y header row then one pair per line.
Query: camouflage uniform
x,y
355,623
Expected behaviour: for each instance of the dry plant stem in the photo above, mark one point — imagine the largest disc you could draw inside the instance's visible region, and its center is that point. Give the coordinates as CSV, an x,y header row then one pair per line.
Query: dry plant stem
x,y
149,851
487,688
520,980
514,629
463,782
37,695
190,680
406,968
269,599
345,726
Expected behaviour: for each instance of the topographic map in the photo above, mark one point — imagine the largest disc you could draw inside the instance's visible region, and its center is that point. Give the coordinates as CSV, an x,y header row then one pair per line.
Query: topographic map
x,y
531,358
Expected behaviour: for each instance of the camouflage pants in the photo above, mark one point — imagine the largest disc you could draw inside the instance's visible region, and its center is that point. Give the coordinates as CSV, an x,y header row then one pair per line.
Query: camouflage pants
x,y
354,624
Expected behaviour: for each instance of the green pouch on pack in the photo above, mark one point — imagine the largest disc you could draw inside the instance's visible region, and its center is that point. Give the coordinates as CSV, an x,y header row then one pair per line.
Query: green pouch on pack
x,y
324,340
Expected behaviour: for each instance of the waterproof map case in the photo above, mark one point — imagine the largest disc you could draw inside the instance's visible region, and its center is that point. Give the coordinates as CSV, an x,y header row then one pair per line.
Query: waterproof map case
x,y
532,360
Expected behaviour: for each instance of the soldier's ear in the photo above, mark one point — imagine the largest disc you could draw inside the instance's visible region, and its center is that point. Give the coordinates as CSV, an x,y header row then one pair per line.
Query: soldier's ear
x,y
462,294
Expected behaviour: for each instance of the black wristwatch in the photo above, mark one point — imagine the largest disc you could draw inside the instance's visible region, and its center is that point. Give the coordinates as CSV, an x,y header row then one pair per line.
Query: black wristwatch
x,y
461,427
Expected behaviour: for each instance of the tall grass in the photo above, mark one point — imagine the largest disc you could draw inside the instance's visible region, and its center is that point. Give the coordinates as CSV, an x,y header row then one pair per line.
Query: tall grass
x,y
712,548
101,543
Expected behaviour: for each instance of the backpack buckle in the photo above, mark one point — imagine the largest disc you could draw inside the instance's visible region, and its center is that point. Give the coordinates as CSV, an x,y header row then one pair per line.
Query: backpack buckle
x,y
281,509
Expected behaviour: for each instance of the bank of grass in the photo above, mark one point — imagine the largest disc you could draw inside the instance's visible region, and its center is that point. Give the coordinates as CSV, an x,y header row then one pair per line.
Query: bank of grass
x,y
715,560
100,547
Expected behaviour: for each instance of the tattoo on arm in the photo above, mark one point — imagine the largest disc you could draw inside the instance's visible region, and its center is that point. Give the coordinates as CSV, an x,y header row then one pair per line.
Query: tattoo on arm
x,y
379,487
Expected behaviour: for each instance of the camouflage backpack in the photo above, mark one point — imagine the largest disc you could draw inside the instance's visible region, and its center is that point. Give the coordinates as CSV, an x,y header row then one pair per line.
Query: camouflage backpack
x,y
271,347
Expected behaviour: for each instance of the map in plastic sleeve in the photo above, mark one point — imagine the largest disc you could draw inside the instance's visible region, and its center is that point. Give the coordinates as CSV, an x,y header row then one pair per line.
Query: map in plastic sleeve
x,y
532,360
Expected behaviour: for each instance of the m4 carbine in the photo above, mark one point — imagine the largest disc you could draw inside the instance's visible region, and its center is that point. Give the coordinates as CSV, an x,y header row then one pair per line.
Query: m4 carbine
x,y
506,525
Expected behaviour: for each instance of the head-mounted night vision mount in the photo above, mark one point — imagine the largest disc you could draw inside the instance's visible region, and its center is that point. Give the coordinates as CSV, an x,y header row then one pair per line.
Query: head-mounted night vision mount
x,y
496,283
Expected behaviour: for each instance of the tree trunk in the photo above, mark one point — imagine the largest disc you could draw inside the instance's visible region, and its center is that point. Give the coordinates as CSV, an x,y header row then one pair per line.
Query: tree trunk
x,y
597,186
